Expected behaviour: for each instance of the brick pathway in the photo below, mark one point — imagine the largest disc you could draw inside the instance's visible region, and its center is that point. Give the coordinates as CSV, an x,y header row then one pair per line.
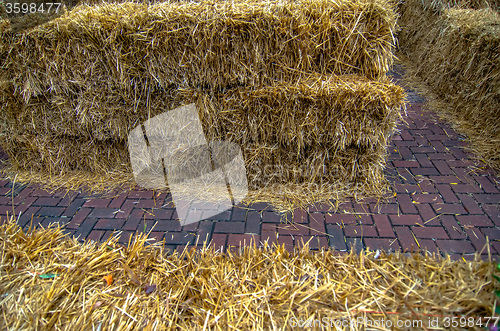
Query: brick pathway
x,y
445,203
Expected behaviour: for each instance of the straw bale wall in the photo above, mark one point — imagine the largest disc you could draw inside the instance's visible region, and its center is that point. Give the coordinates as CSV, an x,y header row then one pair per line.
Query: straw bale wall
x,y
300,86
456,53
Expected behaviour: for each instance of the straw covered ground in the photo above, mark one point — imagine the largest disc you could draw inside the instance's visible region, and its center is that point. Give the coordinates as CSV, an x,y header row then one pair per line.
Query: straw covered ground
x,y
454,52
49,281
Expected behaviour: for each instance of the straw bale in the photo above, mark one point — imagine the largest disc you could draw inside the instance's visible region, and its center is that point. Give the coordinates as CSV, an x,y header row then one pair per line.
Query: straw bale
x,y
248,289
331,111
458,59
202,44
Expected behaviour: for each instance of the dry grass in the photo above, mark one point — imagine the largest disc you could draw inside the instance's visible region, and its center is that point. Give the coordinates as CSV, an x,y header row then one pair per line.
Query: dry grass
x,y
258,289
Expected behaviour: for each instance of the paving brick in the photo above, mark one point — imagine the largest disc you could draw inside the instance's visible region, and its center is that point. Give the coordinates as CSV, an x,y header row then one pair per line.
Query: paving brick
x,y
470,204
477,239
141,195
179,238
427,214
321,207
405,164
158,214
387,208
47,202
406,143
458,153
459,163
406,188
487,198
26,216
439,146
421,132
430,232
447,208
336,237
229,227
41,193
97,203
190,227
223,216
27,202
421,141
239,214
474,220
486,185
445,179
103,213
406,219
133,220
406,239
85,227
3,183
428,245
205,231
317,224
421,150
405,153
493,212
156,236
51,211
466,188
424,171
355,244
66,200
166,226
268,237
314,242
385,244
454,230
455,246
406,176
240,240
427,186
443,168
260,206
252,224
286,241
109,224
95,235
384,227
293,229
340,219
438,137
270,217
118,201
447,194
491,233
406,135
53,221
427,198
464,175
360,231
406,204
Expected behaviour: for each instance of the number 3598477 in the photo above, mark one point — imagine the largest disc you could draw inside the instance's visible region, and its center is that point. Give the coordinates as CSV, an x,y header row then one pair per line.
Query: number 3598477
x,y
27,7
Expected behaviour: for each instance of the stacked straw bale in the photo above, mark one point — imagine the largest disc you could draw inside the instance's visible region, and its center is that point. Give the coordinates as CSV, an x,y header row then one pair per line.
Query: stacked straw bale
x,y
456,54
298,85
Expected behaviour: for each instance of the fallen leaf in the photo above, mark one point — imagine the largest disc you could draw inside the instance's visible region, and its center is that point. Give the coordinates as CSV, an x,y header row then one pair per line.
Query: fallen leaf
x,y
149,288
131,274
108,279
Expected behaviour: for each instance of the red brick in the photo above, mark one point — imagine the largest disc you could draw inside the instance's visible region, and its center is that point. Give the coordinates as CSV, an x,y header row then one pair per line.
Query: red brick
x,y
406,143
427,186
491,233
486,184
46,202
439,146
421,141
85,227
340,218
470,204
427,232
422,149
164,214
293,229
360,231
427,198
27,202
133,220
438,137
428,245
423,160
141,195
50,211
66,200
384,227
445,179
406,188
458,153
424,171
287,241
405,164
454,230
384,244
406,176
493,212
95,235
300,216
443,167
406,219
103,213
459,163
405,153
421,132
252,223
26,216
427,214
464,175
222,216
156,236
406,239
109,224
474,220
166,226
406,135
3,183
389,208
447,194
270,217
239,214
487,198
117,202
97,203
179,238
41,193
204,231
230,227
336,237
240,240
477,239
317,224
455,246
466,188
268,236
406,204
314,242
447,208
321,207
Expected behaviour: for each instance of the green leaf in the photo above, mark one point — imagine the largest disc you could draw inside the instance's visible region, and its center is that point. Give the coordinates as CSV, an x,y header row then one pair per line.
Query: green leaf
x,y
498,266
48,276
497,310
496,277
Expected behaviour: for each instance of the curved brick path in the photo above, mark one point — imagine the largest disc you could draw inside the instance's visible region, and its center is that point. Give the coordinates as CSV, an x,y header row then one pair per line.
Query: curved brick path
x,y
444,204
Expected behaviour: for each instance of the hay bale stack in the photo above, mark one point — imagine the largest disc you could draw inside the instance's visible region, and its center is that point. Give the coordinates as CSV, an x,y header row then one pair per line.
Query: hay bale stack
x,y
456,53
298,85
